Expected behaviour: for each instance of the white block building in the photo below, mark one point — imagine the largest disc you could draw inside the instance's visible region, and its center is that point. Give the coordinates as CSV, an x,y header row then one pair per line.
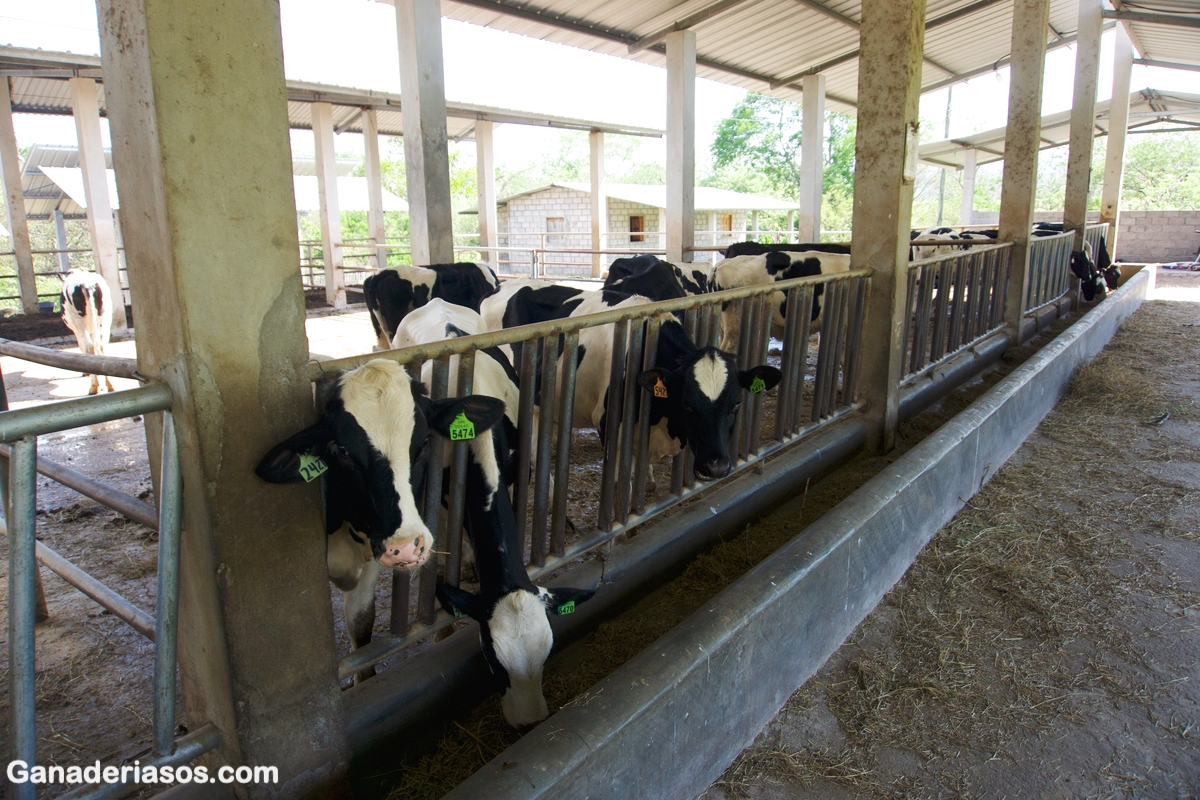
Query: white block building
x,y
559,216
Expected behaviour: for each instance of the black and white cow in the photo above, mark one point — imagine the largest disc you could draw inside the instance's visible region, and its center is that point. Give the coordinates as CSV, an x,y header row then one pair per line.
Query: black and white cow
x,y
759,249
513,614
87,311
396,291
695,392
739,271
1101,261
369,448
649,276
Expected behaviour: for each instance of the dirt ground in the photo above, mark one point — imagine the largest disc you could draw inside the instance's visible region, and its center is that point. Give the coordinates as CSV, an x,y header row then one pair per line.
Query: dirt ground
x,y
1046,644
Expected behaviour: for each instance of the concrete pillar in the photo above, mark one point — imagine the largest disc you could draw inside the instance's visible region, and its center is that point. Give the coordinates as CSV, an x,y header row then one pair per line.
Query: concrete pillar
x,y
1083,120
967,216
892,39
681,144
485,184
14,204
212,246
812,157
426,154
86,108
1118,122
329,213
1031,19
791,222
711,256
60,240
753,224
599,199
376,230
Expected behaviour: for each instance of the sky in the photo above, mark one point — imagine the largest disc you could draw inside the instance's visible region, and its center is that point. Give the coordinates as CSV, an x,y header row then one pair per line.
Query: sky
x,y
495,68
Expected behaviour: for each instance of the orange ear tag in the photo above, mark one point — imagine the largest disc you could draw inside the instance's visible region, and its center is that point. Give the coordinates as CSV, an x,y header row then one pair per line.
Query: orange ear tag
x,y
660,389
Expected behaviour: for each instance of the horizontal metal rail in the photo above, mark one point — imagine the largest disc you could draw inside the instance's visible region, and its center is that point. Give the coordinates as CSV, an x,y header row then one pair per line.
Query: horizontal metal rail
x,y
131,507
78,362
65,414
187,748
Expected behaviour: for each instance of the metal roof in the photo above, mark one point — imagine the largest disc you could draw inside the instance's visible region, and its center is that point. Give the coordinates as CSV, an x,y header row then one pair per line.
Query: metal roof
x,y
1176,44
39,86
708,198
1149,109
769,45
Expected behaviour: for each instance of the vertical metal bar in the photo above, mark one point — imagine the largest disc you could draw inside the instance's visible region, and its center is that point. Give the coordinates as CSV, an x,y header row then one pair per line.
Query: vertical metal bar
x,y
973,299
746,317
824,351
839,334
683,465
956,305
924,309
528,376
458,478
166,622
426,598
937,347
854,334
540,544
22,562
910,300
1001,309
643,436
784,398
612,426
764,340
562,461
633,361
800,371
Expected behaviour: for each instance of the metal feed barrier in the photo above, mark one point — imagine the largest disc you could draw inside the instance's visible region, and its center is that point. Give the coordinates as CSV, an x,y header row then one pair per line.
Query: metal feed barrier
x,y
19,465
954,302
809,398
1049,274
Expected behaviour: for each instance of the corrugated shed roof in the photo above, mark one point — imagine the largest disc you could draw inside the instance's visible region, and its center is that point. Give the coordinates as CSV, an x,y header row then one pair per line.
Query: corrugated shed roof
x,y
708,198
1147,109
1177,44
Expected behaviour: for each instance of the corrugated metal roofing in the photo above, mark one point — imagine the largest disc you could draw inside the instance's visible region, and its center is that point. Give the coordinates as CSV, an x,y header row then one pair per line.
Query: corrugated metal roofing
x,y
1165,43
1147,109
39,86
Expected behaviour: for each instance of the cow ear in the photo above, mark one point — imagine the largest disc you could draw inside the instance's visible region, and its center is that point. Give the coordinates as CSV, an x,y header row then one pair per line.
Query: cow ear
x,y
562,601
458,418
460,602
759,379
652,378
283,463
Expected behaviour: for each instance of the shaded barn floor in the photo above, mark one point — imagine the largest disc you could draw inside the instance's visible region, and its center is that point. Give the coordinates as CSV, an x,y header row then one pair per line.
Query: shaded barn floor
x,y
1047,641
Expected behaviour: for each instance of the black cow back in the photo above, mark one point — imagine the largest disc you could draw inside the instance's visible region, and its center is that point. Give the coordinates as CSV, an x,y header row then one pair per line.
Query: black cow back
x,y
758,248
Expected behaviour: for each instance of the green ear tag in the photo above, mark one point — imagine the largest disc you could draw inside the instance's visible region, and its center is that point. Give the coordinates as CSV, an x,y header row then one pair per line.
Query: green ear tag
x,y
462,428
458,614
312,467
566,608
757,385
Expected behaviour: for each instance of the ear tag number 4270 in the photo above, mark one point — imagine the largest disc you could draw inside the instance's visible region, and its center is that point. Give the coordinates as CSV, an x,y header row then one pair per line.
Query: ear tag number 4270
x,y
757,385
660,388
312,467
462,429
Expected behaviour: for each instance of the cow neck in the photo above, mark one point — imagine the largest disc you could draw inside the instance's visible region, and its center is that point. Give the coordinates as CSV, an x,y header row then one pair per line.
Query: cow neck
x,y
499,559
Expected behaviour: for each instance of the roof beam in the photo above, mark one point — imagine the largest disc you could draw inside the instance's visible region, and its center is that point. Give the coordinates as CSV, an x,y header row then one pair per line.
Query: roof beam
x,y
821,8
1152,18
1149,62
708,12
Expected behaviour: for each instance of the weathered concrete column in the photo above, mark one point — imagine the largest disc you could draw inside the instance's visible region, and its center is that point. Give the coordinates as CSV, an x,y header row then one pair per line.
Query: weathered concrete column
x,y
791,223
485,186
753,224
1083,121
376,229
1021,141
329,213
1118,122
60,240
599,199
426,154
14,204
812,157
892,39
86,108
681,144
221,320
967,215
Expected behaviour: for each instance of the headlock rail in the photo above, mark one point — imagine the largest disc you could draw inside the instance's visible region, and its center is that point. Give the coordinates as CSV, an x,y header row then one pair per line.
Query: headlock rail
x,y
813,393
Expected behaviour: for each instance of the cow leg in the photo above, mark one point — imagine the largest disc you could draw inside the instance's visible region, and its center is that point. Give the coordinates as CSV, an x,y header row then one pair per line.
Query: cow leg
x,y
95,387
359,607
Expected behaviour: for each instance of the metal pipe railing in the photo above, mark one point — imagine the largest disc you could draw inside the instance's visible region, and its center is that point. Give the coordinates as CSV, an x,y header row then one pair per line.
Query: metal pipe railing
x,y
78,362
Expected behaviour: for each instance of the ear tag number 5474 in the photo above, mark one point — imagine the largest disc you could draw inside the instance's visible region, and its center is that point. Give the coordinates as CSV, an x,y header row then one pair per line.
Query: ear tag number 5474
x,y
462,429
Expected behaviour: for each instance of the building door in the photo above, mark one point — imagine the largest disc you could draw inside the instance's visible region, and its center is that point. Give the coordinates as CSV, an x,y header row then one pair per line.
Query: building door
x,y
637,225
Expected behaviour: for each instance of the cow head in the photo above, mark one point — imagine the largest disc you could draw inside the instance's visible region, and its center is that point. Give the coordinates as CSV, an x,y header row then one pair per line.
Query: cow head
x,y
1091,282
370,446
700,399
514,631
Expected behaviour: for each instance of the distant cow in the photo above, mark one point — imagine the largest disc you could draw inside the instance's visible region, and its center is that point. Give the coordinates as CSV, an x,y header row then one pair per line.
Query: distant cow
x,y
396,291
649,276
759,249
695,391
87,311
369,448
778,266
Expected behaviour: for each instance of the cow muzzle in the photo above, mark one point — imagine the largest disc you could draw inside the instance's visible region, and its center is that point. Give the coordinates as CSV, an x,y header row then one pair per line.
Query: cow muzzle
x,y
713,469
406,550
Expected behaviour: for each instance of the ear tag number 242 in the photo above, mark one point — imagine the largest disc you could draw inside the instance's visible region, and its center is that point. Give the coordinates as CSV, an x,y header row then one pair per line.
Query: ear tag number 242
x,y
312,467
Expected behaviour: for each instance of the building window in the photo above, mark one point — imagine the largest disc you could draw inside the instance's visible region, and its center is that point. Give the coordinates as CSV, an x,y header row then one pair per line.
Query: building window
x,y
636,226
556,225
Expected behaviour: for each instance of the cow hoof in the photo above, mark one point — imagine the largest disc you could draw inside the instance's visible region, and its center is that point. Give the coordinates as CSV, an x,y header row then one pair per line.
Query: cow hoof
x,y
407,552
94,390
